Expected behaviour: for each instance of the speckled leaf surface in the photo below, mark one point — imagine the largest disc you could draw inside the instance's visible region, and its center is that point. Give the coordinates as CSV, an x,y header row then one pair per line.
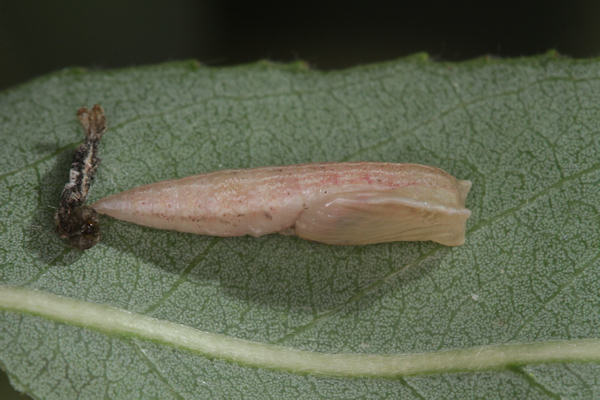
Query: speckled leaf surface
x,y
526,132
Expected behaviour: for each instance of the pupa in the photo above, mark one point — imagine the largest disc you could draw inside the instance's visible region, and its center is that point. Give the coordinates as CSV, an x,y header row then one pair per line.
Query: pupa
x,y
348,203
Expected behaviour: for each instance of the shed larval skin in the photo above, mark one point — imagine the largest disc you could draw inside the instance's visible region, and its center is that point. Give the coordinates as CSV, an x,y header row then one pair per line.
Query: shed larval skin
x,y
335,203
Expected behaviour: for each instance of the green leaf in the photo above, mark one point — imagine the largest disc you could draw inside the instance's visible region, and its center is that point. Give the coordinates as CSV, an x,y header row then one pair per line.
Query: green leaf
x,y
513,313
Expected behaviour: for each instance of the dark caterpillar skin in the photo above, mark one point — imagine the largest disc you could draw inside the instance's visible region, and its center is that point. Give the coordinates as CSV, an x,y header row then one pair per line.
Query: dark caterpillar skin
x,y
75,221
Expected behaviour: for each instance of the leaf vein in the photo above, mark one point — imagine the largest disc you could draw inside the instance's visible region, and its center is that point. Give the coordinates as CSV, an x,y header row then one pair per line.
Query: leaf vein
x,y
117,322
152,366
544,302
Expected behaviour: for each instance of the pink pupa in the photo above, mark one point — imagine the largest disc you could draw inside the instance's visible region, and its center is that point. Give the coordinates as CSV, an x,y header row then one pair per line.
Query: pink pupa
x,y
350,203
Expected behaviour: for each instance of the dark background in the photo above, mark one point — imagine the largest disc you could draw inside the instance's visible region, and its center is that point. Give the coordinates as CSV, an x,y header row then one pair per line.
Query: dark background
x,y
41,36
37,37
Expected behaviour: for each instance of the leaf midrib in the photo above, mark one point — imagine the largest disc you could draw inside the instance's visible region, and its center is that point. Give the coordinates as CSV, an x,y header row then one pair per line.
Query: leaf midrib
x,y
121,323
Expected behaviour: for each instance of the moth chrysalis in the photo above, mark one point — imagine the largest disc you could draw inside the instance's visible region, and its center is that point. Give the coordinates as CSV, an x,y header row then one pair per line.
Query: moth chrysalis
x,y
350,203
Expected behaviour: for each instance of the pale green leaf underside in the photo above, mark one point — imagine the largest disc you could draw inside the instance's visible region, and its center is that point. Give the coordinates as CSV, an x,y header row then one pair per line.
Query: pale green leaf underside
x,y
178,316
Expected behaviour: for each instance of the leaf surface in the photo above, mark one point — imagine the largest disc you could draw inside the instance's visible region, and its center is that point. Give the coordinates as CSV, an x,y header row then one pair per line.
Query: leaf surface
x,y
526,132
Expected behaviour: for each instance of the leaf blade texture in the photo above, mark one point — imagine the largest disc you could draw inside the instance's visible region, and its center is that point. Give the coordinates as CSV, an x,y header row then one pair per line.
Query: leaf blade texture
x,y
524,131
